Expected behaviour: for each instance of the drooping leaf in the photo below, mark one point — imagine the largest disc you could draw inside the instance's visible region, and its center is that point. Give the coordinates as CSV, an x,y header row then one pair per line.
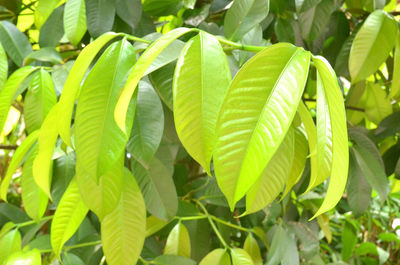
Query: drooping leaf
x,y
242,16
349,240
75,20
178,241
240,257
53,29
360,137
218,256
100,16
34,199
41,97
284,31
43,11
372,45
148,125
46,54
161,7
11,90
31,257
274,176
377,105
337,118
198,94
97,152
15,162
63,172
161,79
14,42
254,120
130,11
140,68
252,248
173,260
124,229
153,225
395,91
73,83
356,98
3,67
9,244
69,215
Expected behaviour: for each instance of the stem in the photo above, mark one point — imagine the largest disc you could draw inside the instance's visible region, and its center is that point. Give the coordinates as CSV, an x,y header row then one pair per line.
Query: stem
x,y
230,224
85,244
130,37
8,147
239,46
46,218
190,218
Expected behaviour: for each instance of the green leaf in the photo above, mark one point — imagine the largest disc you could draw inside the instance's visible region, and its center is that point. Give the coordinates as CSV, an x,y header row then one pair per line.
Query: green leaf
x,y
123,230
43,11
11,90
97,152
242,16
63,171
153,225
278,246
140,68
71,259
395,90
130,11
52,30
148,125
252,248
101,198
31,257
284,31
161,7
218,256
3,67
255,119
372,171
161,79
69,215
377,105
358,189
42,165
47,54
178,241
173,260
273,178
356,98
240,257
372,45
14,42
100,16
349,241
34,199
9,244
39,99
198,95
73,83
15,162
75,20
337,125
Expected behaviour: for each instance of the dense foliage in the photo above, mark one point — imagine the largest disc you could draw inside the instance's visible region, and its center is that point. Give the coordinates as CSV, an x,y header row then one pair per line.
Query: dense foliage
x,y
199,132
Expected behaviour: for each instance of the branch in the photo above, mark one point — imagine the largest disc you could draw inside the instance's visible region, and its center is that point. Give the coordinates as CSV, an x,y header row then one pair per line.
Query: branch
x,y
8,147
347,107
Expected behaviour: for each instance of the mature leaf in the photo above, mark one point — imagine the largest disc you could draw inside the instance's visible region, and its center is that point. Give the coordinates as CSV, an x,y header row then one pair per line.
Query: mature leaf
x,y
148,125
11,91
395,91
34,199
356,98
173,260
75,20
360,137
46,54
14,42
100,16
198,95
43,163
256,115
3,67
43,11
140,68
218,256
178,241
242,16
274,176
41,97
252,248
349,241
337,125
278,246
63,172
240,257
377,105
284,31
98,140
372,45
69,215
153,225
161,7
130,11
9,244
123,230
53,29
73,83
389,126
31,257
161,79
15,162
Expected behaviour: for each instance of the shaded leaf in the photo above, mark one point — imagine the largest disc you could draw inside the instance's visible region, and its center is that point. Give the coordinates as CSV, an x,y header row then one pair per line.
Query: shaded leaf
x,y
14,42
75,20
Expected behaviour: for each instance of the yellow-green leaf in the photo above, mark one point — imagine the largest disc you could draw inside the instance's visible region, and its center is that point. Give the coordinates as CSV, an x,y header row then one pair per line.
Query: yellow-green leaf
x,y
240,257
43,11
252,248
395,91
31,257
3,67
9,244
218,256
178,241
75,20
377,105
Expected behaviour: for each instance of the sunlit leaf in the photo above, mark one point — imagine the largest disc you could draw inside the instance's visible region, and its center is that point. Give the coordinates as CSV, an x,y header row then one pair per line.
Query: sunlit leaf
x,y
240,257
75,20
9,244
252,248
178,241
218,256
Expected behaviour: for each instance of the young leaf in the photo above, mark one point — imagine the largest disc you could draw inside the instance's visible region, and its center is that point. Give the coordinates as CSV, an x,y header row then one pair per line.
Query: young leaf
x,y
377,105
198,94
240,257
123,230
42,165
73,84
273,178
148,125
31,257
372,45
242,16
75,20
252,248
218,256
11,90
100,16
349,240
256,115
337,125
69,215
3,67
15,162
178,241
34,199
9,244
140,68
395,91
41,97
97,152
43,11
14,42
